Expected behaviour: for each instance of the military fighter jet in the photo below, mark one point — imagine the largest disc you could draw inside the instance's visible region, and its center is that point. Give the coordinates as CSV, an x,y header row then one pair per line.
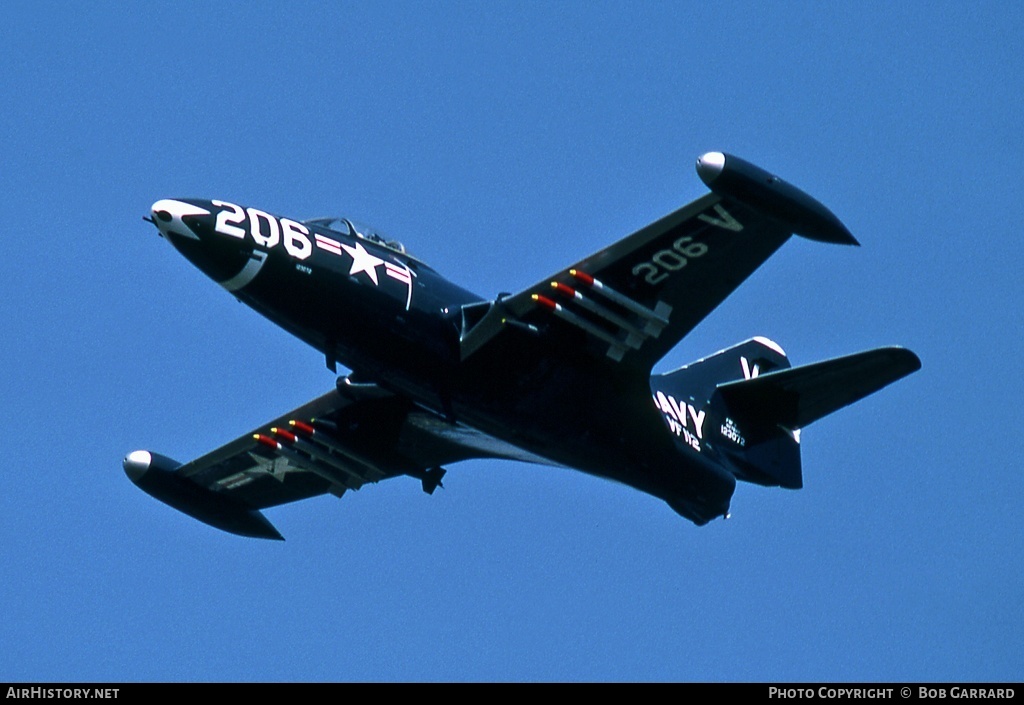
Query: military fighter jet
x,y
558,374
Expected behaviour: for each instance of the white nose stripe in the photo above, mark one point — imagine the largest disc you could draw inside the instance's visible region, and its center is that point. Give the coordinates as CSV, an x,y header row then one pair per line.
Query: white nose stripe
x,y
248,273
176,209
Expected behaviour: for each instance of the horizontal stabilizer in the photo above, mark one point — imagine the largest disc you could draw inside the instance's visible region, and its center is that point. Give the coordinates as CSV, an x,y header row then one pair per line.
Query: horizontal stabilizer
x,y
799,396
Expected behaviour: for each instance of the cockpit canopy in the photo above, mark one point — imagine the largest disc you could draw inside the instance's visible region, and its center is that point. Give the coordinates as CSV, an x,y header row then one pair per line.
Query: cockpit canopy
x,y
350,227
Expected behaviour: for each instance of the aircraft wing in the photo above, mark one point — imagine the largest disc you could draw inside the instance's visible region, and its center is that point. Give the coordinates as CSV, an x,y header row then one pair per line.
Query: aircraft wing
x,y
351,436
630,303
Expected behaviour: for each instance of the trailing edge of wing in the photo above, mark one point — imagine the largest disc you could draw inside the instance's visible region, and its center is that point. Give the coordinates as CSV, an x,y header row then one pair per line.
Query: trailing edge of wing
x,y
799,396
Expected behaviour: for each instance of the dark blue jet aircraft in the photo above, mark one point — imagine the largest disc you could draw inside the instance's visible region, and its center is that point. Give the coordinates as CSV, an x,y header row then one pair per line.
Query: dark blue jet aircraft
x,y
558,374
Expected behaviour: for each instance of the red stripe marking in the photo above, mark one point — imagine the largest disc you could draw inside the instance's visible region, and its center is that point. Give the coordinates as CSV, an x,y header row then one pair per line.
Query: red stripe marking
x,y
567,290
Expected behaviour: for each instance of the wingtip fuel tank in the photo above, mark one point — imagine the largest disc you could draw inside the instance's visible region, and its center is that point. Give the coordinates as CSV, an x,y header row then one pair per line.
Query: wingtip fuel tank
x,y
737,178
156,475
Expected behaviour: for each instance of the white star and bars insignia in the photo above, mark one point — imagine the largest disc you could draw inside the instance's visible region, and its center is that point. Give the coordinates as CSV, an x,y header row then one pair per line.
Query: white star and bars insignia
x,y
364,262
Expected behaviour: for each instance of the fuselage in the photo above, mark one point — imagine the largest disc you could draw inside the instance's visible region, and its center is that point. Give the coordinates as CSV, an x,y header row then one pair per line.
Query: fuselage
x,y
364,302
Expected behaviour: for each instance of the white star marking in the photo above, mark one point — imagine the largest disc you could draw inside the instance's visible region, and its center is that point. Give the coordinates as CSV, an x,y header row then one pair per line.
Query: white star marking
x,y
276,468
363,261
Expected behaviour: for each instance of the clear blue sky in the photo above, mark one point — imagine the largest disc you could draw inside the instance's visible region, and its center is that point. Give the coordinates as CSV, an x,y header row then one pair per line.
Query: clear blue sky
x,y
501,142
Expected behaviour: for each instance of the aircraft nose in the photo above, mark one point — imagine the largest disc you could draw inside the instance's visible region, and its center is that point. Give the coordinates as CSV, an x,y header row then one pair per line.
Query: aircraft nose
x,y
168,216
191,226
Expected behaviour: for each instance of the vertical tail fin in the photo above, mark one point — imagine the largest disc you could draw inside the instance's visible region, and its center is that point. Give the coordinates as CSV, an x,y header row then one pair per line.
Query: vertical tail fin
x,y
745,360
755,448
